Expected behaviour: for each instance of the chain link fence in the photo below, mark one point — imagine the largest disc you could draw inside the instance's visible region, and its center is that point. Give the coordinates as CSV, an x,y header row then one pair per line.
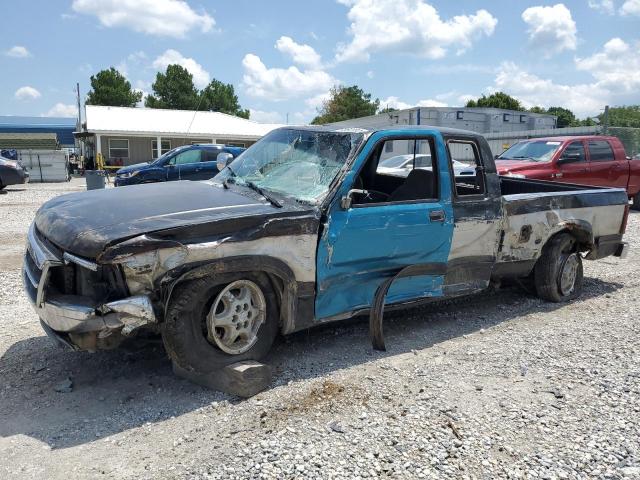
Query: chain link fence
x,y
630,138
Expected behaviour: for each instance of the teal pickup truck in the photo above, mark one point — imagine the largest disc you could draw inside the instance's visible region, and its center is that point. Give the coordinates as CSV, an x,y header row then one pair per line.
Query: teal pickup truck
x,y
301,229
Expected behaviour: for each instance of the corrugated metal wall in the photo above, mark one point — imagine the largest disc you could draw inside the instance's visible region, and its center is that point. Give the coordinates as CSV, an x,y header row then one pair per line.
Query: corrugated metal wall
x,y
45,165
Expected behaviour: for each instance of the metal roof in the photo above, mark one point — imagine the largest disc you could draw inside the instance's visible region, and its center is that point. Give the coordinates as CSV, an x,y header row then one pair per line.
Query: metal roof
x,y
155,121
62,127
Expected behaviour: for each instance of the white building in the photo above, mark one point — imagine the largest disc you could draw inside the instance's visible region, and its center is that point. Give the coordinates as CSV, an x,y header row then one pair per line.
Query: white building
x,y
132,135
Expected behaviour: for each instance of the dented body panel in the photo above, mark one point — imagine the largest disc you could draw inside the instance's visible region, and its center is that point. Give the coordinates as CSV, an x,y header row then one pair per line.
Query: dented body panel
x,y
101,265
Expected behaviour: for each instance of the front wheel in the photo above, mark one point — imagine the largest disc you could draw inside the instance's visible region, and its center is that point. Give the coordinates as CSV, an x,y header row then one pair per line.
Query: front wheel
x,y
558,274
212,323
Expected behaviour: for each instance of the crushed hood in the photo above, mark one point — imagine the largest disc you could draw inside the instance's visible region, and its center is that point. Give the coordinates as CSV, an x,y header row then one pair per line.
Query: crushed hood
x,y
85,223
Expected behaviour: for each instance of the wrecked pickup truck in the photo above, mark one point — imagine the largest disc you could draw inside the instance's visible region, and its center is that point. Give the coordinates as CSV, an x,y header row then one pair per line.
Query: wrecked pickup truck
x,y
303,229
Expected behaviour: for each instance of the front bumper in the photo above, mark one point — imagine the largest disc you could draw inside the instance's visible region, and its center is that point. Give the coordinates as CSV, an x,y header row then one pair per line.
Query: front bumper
x,y
74,318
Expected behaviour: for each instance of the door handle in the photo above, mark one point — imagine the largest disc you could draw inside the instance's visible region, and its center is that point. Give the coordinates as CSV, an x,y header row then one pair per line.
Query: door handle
x,y
437,215
582,170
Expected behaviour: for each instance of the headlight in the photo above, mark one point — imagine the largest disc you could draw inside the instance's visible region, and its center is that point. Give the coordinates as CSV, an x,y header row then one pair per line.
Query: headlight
x,y
129,174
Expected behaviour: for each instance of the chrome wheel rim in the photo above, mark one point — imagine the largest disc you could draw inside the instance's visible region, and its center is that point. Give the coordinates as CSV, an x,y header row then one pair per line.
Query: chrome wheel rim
x,y
569,274
235,317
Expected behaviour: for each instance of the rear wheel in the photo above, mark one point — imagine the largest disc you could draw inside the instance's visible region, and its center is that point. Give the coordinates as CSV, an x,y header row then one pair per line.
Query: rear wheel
x,y
214,323
558,273
635,205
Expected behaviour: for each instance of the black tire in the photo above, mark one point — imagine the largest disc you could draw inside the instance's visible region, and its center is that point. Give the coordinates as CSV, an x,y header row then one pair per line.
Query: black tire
x,y
184,331
556,255
635,204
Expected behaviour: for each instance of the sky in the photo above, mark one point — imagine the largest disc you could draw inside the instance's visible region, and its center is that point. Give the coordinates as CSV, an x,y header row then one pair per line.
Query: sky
x,y
283,56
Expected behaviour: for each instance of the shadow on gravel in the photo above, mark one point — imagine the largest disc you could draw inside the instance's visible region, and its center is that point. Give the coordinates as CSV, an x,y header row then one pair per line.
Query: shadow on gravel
x,y
119,390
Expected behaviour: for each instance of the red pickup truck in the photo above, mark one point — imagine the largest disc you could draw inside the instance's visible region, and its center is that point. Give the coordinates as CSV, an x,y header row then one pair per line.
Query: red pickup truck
x,y
586,160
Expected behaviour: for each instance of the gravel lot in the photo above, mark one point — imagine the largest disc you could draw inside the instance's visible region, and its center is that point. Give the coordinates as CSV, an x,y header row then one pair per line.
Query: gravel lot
x,y
500,385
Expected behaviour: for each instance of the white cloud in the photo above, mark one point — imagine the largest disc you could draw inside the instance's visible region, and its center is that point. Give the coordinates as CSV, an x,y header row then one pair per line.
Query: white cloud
x,y
173,18
317,101
409,26
605,6
282,83
616,67
27,93
18,51
630,7
303,55
133,60
370,74
612,84
265,117
531,90
201,77
395,102
62,110
551,29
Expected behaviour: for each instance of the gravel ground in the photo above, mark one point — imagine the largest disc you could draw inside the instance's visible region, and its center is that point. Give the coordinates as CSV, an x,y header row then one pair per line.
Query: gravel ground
x,y
501,385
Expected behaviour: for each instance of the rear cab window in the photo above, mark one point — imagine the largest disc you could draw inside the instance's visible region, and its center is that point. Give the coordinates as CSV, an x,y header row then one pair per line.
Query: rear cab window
x,y
600,151
466,167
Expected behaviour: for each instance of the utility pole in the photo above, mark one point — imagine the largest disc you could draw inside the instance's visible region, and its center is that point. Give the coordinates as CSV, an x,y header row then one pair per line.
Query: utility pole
x,y
605,119
287,118
79,125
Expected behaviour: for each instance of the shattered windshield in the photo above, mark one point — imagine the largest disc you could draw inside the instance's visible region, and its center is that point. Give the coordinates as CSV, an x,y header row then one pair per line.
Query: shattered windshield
x,y
538,151
294,163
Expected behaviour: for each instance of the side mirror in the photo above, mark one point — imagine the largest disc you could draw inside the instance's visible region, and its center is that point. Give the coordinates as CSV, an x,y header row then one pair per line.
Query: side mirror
x,y
569,158
347,200
223,159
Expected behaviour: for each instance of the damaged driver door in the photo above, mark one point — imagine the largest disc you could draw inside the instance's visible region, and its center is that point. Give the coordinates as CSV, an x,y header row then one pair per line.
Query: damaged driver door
x,y
379,223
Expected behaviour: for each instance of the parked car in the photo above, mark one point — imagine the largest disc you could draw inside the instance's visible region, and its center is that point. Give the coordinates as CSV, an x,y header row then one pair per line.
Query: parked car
x,y
300,230
401,165
12,172
583,160
189,162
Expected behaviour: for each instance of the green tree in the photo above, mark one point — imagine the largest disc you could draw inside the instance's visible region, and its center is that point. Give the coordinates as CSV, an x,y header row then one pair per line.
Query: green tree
x,y
388,110
111,88
497,100
628,116
221,97
566,117
345,103
173,89
537,110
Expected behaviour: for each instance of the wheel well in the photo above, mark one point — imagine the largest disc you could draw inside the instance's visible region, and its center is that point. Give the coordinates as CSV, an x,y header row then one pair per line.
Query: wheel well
x,y
280,277
583,237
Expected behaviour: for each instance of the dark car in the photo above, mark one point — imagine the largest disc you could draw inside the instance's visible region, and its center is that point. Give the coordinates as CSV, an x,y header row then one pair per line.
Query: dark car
x,y
189,162
12,173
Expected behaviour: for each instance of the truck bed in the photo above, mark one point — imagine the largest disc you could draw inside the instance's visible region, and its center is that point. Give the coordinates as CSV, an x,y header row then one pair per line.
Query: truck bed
x,y
534,210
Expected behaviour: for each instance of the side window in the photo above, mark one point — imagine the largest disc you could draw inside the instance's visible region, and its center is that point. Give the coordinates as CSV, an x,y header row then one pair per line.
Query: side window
x,y
190,156
210,155
399,170
574,152
600,151
466,167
